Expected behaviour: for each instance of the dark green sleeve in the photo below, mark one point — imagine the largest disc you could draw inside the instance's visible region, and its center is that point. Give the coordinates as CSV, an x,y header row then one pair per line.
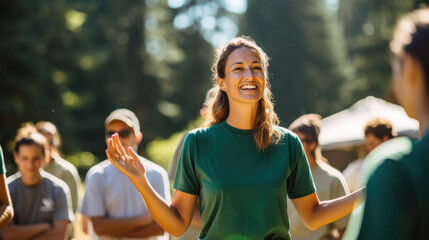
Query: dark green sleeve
x,y
300,182
2,166
390,206
186,179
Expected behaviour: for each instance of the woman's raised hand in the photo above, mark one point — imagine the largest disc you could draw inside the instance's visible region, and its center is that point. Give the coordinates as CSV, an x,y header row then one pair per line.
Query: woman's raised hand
x,y
127,162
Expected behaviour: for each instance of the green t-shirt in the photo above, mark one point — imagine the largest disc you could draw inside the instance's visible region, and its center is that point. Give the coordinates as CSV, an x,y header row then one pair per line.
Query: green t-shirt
x,y
397,203
242,190
2,165
393,149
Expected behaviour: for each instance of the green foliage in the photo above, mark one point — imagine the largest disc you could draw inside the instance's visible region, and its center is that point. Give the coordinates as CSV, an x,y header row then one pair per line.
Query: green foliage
x,y
72,62
307,56
161,150
83,161
368,27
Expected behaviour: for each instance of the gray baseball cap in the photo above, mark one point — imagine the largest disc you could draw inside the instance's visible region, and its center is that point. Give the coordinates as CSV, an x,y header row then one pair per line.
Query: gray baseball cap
x,y
125,116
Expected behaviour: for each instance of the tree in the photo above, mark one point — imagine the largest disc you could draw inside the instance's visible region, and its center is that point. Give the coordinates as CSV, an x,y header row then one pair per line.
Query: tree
x,y
307,58
368,27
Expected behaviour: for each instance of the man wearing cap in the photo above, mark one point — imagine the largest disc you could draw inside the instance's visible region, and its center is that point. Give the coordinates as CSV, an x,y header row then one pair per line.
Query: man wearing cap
x,y
111,202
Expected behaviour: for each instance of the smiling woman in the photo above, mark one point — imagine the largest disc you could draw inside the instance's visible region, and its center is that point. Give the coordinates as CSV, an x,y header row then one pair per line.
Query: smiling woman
x,y
241,166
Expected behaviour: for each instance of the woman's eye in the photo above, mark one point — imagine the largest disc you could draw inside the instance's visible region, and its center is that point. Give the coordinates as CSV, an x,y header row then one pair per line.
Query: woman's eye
x,y
238,69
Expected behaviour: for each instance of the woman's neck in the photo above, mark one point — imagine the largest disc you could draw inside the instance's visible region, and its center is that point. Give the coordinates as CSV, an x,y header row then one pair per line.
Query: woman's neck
x,y
242,116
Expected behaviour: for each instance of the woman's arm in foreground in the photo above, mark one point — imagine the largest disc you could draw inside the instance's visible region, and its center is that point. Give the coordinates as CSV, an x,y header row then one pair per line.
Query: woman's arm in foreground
x,y
315,214
175,217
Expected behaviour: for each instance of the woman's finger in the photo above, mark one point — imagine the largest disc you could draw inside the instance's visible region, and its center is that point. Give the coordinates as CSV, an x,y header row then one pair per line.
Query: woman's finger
x,y
112,152
118,144
132,154
116,153
111,159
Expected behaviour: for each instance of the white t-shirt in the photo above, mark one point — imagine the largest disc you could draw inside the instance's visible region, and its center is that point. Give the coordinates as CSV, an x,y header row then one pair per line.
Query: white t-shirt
x,y
110,193
353,174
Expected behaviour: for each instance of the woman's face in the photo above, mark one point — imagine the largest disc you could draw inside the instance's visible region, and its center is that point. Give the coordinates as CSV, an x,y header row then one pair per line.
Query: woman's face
x,y
244,76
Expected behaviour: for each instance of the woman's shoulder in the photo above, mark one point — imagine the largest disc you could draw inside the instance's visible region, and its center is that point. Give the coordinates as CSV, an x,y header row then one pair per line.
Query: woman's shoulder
x,y
202,132
287,136
198,132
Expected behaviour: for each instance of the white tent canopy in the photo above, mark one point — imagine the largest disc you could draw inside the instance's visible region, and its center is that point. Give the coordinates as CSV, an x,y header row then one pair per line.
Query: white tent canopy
x,y
346,128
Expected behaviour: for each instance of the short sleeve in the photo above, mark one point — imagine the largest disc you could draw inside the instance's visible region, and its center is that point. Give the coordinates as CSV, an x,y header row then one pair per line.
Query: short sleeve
x,y
63,209
2,165
93,204
186,177
300,182
390,204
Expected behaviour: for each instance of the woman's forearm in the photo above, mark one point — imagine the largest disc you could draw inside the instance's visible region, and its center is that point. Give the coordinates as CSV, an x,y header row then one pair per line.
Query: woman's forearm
x,y
331,210
315,214
174,218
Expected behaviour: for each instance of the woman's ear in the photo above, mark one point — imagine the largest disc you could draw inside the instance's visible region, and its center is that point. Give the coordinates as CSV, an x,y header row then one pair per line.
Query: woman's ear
x,y
221,83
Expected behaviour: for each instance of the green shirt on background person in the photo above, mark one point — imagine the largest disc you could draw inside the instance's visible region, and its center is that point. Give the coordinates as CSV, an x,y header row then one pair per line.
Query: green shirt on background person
x,y
393,149
397,203
242,190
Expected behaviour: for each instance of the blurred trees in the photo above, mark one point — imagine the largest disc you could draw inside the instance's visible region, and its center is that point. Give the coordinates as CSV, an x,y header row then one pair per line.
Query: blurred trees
x,y
72,62
367,27
307,65
36,52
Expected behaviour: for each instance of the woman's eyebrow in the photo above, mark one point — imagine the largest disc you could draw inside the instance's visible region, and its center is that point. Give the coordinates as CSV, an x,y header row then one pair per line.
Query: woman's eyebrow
x,y
242,62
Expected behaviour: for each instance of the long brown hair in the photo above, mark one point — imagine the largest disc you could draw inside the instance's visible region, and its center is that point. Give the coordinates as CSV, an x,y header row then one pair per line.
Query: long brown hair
x,y
264,132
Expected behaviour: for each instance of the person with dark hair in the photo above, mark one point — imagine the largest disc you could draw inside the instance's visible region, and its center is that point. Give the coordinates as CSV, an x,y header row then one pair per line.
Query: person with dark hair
x,y
241,165
329,182
58,166
397,201
111,202
42,202
6,208
377,130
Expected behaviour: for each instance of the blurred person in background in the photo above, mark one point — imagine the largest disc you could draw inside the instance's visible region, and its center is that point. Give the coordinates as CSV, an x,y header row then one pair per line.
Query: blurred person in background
x,y
194,229
112,206
42,201
6,209
397,201
58,166
377,130
329,182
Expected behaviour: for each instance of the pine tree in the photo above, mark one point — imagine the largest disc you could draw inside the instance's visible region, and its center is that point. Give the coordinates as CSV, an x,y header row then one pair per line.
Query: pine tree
x,y
307,59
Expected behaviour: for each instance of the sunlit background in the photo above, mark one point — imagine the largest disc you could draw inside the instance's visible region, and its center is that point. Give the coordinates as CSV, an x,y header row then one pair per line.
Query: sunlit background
x,y
72,62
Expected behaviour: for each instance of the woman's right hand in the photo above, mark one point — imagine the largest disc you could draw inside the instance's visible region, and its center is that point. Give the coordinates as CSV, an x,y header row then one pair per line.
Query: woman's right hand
x,y
127,162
